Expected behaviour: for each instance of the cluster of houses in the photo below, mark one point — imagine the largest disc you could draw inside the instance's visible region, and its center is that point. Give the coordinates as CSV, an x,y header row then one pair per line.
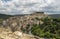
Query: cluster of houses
x,y
21,22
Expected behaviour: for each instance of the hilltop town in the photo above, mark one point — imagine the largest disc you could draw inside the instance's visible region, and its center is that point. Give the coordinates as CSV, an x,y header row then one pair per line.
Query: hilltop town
x,y
18,22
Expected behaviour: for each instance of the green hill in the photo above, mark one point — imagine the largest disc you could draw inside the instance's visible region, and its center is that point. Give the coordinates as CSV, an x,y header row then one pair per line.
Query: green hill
x,y
3,16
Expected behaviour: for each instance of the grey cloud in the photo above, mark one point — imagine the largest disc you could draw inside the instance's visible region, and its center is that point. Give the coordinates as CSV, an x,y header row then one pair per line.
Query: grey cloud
x,y
26,7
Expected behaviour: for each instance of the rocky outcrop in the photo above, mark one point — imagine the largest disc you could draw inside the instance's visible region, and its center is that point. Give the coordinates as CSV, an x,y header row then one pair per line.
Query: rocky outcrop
x,y
8,34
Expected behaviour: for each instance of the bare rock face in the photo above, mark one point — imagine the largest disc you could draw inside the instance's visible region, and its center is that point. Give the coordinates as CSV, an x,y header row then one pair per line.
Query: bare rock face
x,y
8,34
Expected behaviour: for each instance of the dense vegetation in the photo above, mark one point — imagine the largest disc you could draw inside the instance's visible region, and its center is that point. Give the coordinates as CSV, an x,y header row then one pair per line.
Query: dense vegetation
x,y
49,29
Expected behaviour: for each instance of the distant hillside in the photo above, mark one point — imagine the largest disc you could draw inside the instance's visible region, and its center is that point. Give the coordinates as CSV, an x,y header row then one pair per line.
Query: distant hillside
x,y
55,15
3,16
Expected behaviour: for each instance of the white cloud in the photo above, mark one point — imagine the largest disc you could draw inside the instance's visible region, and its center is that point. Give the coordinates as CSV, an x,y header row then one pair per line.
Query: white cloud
x,y
27,6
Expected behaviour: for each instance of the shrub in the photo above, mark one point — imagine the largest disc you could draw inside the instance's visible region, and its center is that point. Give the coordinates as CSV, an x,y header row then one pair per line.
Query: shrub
x,y
50,28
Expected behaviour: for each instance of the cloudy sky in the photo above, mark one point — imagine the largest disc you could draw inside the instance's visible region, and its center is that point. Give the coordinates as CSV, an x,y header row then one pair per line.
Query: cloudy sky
x,y
13,7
